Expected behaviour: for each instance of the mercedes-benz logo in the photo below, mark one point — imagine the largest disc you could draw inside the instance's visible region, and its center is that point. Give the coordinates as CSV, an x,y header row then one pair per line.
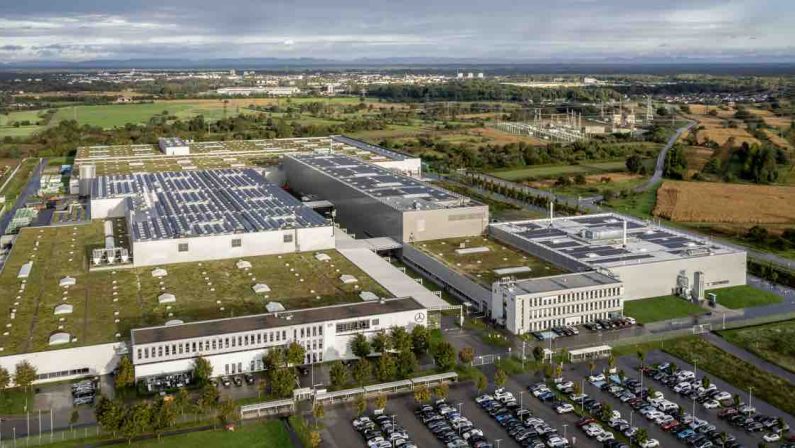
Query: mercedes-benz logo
x,y
419,317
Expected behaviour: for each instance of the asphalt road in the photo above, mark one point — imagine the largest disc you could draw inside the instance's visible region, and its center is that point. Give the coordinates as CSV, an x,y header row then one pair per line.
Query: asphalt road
x,y
658,169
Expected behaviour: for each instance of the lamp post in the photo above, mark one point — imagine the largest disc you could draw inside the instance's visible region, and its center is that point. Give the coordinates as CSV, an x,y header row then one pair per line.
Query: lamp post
x,y
498,442
750,395
521,399
564,430
582,395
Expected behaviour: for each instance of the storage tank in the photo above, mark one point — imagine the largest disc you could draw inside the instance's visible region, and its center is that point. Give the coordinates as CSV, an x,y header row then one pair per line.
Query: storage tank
x,y
87,175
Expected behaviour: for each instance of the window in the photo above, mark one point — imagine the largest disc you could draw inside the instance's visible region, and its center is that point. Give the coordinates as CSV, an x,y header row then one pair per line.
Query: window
x,y
288,237
182,247
353,326
374,322
237,242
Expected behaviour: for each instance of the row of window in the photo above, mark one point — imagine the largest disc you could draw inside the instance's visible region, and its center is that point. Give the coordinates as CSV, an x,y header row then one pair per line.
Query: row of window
x,y
235,242
257,364
356,325
573,308
577,296
225,342
62,373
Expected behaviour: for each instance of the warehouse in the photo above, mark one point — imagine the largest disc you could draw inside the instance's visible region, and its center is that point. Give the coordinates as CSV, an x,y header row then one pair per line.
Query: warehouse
x,y
651,261
205,215
372,201
237,345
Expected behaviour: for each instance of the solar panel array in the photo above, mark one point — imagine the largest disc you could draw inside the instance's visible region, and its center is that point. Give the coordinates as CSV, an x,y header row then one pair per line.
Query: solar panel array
x,y
401,192
169,205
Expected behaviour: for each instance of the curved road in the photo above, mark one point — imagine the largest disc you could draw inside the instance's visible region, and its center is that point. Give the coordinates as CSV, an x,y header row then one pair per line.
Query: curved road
x,y
658,169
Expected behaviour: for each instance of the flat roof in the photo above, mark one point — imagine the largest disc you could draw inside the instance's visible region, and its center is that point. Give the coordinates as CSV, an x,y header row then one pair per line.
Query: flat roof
x,y
566,281
169,205
597,240
272,320
396,190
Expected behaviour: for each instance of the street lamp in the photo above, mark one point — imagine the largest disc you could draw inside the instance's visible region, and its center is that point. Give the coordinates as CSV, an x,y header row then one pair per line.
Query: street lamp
x,y
750,395
498,442
564,430
521,399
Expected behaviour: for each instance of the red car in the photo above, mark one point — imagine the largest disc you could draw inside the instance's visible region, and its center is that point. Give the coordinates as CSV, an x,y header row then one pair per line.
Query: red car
x,y
584,421
670,425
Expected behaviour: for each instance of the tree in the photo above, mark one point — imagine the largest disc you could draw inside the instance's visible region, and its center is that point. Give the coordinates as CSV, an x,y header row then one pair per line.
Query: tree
x,y
361,404
125,373
208,398
607,411
736,400
109,414
227,412
705,382
314,439
181,400
633,163
538,353
73,417
675,165
136,421
282,381
466,355
163,415
5,379
422,394
380,342
202,370
500,377
338,374
385,368
295,354
406,364
642,435
24,375
579,179
576,389
360,346
420,339
274,359
641,357
362,371
591,367
400,339
441,391
482,383
611,361
444,356
380,401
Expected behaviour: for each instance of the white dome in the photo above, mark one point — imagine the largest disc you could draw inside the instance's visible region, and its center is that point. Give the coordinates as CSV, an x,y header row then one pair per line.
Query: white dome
x,y
64,308
67,281
60,338
166,298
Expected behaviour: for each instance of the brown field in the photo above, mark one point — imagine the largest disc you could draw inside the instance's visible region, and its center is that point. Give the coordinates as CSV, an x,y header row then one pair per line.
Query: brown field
x,y
722,135
697,157
772,119
499,137
701,109
777,140
706,202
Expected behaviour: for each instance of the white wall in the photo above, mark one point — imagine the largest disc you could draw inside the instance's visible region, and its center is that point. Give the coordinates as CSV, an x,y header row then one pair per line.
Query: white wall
x,y
408,167
216,247
108,208
99,359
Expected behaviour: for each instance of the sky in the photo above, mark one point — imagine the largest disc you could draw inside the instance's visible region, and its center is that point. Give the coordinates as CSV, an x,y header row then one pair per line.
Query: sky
x,y
486,30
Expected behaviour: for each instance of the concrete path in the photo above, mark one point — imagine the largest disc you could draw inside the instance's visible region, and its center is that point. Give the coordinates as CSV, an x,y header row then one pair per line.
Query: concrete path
x,y
749,357
658,168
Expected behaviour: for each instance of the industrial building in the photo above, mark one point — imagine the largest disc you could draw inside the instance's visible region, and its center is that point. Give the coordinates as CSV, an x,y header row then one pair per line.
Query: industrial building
x,y
205,215
372,201
649,260
237,345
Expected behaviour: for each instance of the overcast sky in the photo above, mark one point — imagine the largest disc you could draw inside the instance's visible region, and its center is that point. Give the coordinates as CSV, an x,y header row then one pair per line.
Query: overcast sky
x,y
518,30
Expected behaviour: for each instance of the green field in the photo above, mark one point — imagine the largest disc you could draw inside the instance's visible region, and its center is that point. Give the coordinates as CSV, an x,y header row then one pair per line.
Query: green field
x,y
15,185
637,204
7,129
546,171
768,387
771,342
271,434
660,308
745,296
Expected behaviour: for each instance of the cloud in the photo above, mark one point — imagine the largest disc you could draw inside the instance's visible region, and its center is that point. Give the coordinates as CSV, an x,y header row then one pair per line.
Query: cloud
x,y
344,29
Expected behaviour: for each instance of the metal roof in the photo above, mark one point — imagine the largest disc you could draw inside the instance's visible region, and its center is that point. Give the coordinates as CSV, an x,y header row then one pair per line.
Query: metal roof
x,y
198,203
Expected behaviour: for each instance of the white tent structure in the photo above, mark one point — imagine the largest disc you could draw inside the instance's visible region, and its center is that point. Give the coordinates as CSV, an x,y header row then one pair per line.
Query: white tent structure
x,y
261,288
274,307
166,298
243,264
159,272
63,308
24,271
60,338
67,281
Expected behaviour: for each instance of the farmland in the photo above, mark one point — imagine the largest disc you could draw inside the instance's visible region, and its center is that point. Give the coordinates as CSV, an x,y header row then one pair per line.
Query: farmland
x,y
11,124
702,202
547,171
772,342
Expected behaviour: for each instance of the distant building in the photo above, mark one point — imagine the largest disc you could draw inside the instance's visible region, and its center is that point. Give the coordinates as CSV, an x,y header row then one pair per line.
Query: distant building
x,y
248,91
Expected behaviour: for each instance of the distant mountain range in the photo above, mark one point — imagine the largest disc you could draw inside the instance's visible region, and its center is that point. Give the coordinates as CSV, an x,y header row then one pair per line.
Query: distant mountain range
x,y
421,63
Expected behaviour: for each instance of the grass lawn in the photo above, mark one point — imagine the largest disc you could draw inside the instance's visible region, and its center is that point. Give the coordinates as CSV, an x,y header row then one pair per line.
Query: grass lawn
x,y
8,129
745,296
768,387
542,171
12,401
266,435
19,180
638,204
771,342
660,308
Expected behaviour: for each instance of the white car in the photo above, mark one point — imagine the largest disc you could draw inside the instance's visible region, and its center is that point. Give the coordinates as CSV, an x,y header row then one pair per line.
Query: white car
x,y
650,443
502,394
723,396
596,379
555,442
711,404
593,430
605,436
564,385
483,398
564,408
772,437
